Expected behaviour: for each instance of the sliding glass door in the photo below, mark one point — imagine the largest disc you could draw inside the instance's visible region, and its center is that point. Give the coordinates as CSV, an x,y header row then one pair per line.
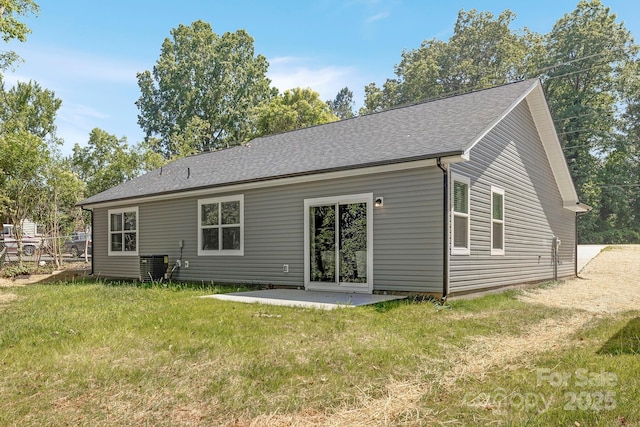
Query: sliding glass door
x,y
338,243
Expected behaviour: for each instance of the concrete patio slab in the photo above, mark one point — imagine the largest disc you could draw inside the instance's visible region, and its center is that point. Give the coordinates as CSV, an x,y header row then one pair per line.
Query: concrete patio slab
x,y
306,299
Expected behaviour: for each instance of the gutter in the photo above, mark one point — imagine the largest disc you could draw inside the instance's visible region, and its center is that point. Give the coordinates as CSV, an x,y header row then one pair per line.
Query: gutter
x,y
259,182
92,242
445,230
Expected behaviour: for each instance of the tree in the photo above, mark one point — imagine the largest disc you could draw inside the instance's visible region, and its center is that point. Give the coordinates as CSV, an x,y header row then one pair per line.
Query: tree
x,y
587,74
27,114
204,86
376,99
22,160
618,179
482,52
342,106
631,131
11,28
57,211
294,109
590,71
107,161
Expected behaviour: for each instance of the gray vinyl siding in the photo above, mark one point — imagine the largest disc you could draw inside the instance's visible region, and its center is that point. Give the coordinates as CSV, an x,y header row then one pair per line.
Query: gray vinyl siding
x,y
407,246
511,157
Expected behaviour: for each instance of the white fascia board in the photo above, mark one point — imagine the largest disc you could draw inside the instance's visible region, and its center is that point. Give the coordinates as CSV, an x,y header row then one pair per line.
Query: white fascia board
x,y
235,188
546,130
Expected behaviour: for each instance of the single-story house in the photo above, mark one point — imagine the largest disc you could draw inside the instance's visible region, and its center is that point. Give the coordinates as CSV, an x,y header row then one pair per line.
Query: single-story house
x,y
452,195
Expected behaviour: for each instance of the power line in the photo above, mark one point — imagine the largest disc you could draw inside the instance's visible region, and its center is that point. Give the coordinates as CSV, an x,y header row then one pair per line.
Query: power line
x,y
635,141
576,117
576,72
577,146
573,131
571,61
497,79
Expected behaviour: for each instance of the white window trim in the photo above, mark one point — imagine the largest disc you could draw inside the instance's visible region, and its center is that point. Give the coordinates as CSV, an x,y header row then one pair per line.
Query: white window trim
x,y
457,250
495,190
220,251
109,233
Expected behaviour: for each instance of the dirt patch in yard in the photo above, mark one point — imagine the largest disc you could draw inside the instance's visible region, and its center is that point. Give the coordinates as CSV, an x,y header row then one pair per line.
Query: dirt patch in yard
x,y
7,298
70,272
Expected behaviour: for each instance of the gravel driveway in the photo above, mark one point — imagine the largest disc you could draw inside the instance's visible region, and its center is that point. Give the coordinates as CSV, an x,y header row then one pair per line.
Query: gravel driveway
x,y
607,284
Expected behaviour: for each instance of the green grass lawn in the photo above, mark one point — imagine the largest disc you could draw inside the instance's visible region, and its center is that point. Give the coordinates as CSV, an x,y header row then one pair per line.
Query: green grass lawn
x,y
101,354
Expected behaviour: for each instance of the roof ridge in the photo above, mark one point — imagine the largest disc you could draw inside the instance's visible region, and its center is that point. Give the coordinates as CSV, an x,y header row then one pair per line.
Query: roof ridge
x,y
395,107
447,95
426,129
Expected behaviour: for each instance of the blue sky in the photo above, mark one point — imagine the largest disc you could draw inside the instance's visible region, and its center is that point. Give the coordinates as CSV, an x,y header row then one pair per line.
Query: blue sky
x,y
89,52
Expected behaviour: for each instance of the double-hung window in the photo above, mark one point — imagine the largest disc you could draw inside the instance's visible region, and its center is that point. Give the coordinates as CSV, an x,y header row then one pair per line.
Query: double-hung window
x,y
123,231
497,221
221,226
460,227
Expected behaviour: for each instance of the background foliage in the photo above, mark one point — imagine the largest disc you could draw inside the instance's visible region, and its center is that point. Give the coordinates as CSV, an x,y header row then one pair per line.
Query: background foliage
x,y
588,64
210,91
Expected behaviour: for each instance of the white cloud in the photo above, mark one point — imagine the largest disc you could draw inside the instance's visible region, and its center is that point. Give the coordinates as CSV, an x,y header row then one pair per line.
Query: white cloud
x,y
75,122
290,72
13,79
71,64
80,116
96,90
378,17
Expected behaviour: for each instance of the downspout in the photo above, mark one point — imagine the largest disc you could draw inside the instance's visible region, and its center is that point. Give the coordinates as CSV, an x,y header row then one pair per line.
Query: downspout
x,y
92,245
445,230
575,238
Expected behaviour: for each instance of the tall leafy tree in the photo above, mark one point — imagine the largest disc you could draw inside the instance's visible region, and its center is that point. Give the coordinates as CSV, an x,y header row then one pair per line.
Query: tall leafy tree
x,y
342,105
294,109
482,52
106,161
12,27
27,114
588,56
631,133
61,190
618,180
590,69
204,86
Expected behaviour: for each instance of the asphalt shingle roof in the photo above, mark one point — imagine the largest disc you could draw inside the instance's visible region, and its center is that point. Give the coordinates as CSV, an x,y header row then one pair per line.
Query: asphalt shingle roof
x,y
426,130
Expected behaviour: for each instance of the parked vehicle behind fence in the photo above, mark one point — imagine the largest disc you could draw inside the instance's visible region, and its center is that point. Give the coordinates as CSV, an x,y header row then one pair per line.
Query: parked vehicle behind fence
x,y
77,244
29,243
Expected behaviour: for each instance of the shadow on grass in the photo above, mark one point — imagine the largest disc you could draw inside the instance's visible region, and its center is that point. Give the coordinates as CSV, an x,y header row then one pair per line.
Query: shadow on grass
x,y
625,341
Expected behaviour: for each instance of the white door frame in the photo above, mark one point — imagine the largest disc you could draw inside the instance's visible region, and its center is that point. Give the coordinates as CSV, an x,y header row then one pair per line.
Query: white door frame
x,y
340,287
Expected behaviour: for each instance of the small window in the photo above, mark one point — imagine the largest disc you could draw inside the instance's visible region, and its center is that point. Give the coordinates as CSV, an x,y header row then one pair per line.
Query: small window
x,y
123,231
461,217
220,226
497,221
